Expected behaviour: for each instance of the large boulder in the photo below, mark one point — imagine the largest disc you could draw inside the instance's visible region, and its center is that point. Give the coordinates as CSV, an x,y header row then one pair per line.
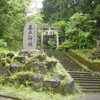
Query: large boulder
x,y
41,57
10,55
25,53
51,83
41,68
61,77
28,76
30,65
14,67
51,64
70,87
4,71
37,78
54,76
2,55
20,59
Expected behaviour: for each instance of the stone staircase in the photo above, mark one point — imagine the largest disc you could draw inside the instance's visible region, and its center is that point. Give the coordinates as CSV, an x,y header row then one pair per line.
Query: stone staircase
x,y
86,81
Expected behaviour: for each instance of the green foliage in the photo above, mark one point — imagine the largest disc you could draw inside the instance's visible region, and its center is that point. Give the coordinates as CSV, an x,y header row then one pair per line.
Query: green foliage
x,y
56,10
97,11
80,30
67,44
12,19
79,20
52,43
3,44
61,25
97,16
37,18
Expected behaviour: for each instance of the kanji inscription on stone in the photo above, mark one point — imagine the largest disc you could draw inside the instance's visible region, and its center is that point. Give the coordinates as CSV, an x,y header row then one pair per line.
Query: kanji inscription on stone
x,y
30,37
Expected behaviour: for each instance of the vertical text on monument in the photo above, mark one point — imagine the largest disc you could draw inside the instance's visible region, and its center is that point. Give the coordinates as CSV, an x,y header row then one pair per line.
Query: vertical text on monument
x,y
30,36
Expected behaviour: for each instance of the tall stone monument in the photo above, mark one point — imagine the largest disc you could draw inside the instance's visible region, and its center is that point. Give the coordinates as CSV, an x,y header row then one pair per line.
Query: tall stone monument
x,y
30,37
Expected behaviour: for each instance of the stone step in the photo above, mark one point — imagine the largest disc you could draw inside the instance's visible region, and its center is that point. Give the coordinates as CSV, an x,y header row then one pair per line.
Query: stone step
x,y
78,72
87,79
90,87
82,75
89,84
90,90
70,69
75,74
90,75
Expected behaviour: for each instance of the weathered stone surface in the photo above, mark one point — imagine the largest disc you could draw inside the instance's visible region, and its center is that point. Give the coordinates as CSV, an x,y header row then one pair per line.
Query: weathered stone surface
x,y
8,60
30,77
10,55
30,65
96,55
54,76
51,83
2,55
51,64
23,77
30,36
3,71
41,68
36,85
3,62
37,78
20,59
39,72
41,57
61,77
14,67
69,87
25,53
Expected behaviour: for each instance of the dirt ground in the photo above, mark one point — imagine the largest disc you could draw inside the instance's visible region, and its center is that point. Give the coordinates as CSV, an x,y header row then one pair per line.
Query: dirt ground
x,y
2,98
90,96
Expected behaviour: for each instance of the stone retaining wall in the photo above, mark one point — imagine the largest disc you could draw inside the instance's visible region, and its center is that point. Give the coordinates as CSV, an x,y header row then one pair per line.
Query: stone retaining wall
x,y
95,66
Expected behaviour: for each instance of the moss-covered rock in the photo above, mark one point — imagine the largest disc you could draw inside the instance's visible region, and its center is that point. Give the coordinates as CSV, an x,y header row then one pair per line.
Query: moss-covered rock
x,y
10,55
20,59
51,64
25,53
37,71
14,67
41,57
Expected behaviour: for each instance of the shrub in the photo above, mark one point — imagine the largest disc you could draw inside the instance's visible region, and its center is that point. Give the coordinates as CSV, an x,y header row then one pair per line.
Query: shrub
x,y
67,44
3,43
79,31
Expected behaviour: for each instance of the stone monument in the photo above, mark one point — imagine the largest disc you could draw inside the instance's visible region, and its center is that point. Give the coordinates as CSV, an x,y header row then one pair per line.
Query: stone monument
x,y
30,37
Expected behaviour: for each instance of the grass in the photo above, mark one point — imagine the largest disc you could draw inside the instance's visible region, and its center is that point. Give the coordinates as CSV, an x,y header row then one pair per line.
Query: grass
x,y
6,50
29,94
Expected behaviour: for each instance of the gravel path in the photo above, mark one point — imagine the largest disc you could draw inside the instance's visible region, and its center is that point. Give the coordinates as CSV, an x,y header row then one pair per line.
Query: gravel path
x,y
91,96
